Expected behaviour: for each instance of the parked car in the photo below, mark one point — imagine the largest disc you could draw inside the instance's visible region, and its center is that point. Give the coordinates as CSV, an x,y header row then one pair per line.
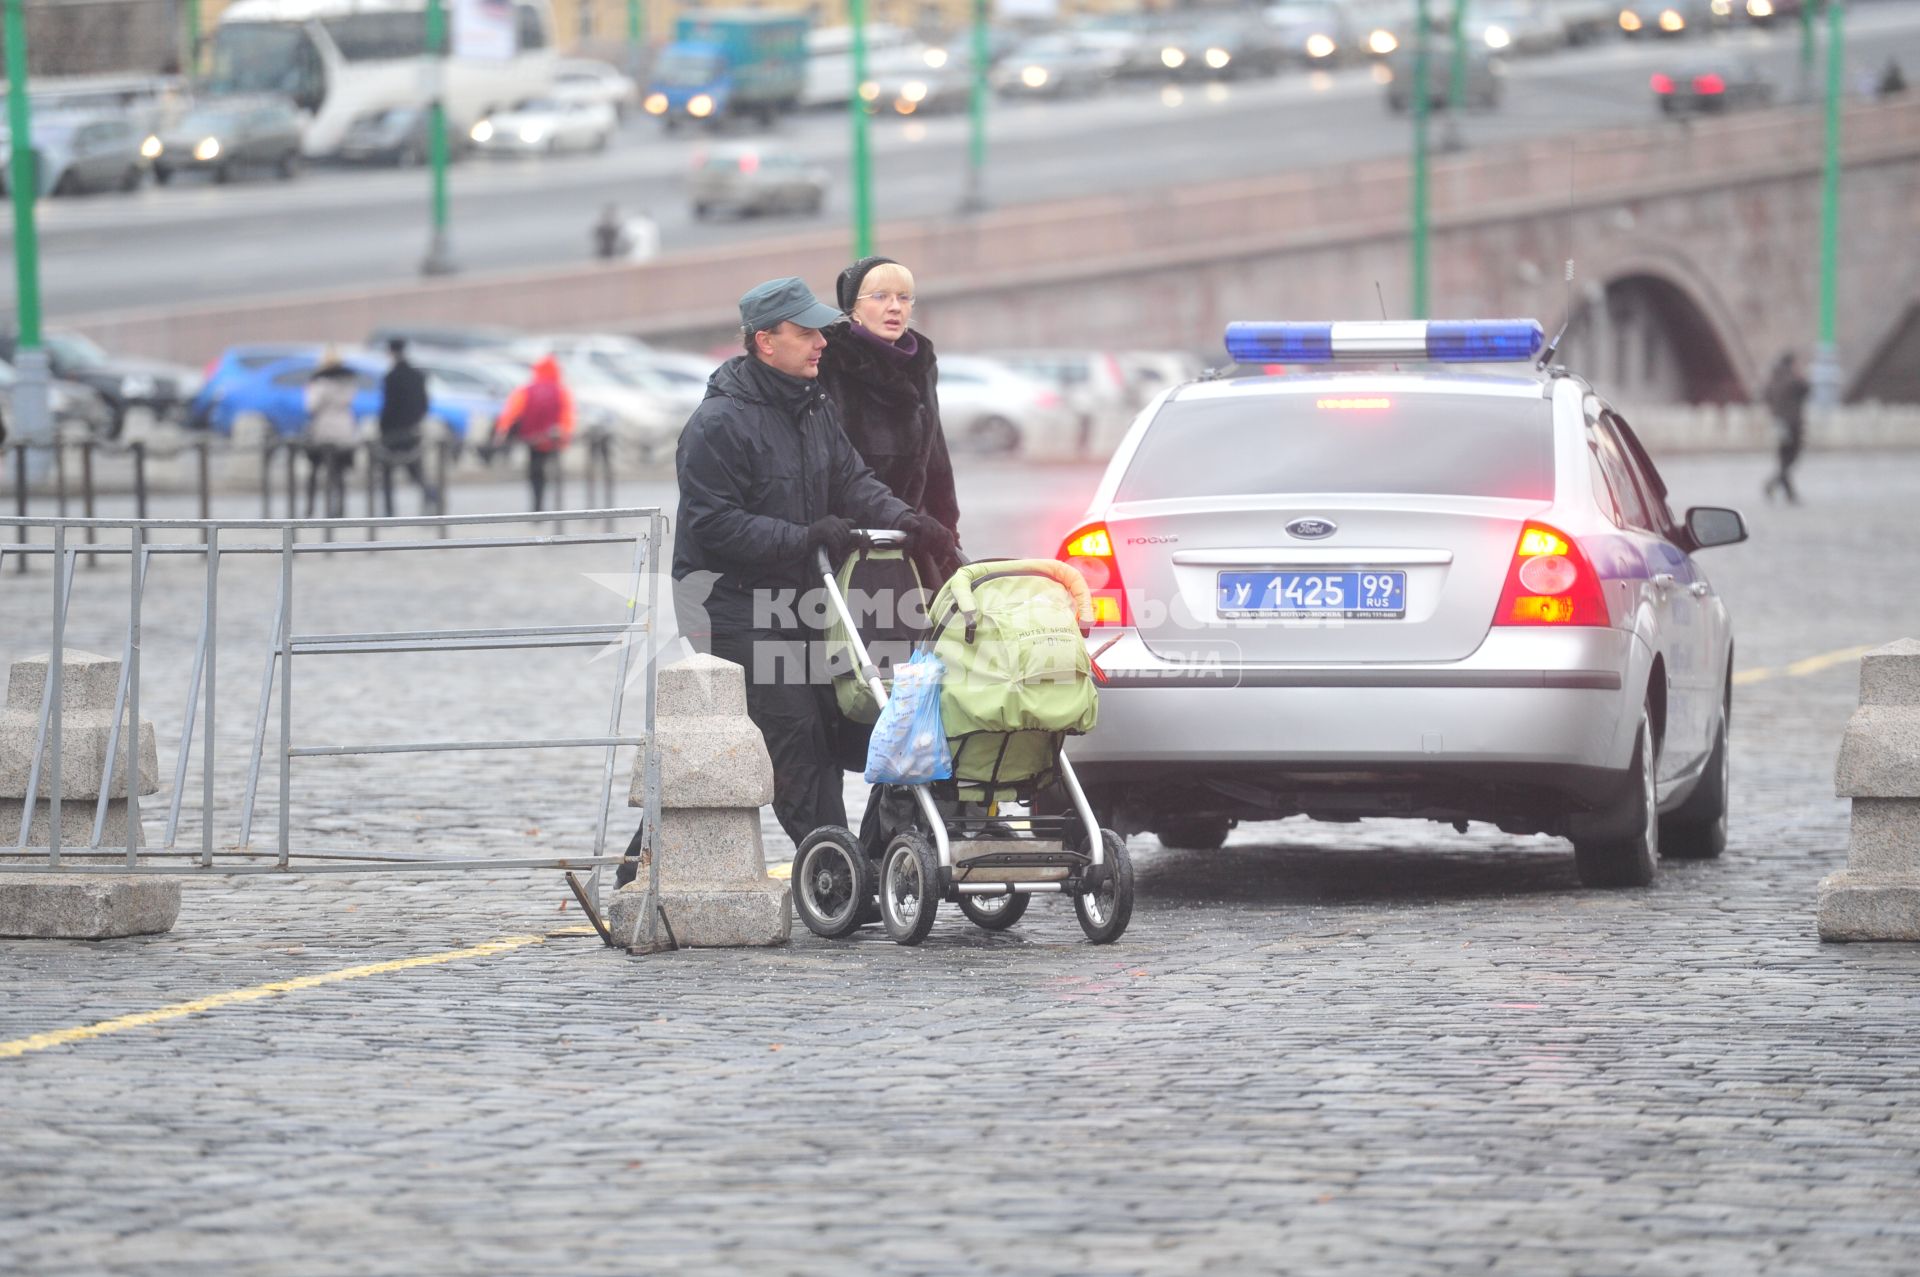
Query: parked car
x,y
1722,83
595,83
1148,372
453,337
1090,382
746,179
401,136
987,407
123,382
543,126
76,409
270,382
1456,594
678,382
1056,66
81,151
223,136
1482,88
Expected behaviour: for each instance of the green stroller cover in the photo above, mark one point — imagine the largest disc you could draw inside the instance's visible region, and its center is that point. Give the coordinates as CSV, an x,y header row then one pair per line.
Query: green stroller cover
x,y
883,592
1010,633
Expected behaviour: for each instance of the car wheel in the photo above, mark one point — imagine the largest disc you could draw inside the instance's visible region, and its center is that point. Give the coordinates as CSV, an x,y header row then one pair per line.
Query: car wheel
x,y
993,434
1627,859
832,882
162,175
1697,830
130,180
67,184
1193,833
996,913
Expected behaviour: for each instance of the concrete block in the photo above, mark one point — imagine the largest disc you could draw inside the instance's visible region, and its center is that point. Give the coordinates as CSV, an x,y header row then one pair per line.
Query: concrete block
x,y
86,906
710,762
1890,675
708,918
1880,753
88,682
1862,906
710,847
701,686
1884,837
76,823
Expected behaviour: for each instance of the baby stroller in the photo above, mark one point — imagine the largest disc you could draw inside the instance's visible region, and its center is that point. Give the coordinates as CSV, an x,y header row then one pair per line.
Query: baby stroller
x,y
1018,682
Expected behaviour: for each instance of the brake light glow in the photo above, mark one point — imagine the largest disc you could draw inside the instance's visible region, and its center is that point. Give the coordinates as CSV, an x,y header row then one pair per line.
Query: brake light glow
x,y
1446,340
1550,582
1090,549
1662,83
1709,84
750,163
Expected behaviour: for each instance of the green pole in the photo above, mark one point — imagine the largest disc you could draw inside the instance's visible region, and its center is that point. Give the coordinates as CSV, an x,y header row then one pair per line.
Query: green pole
x,y
636,37
30,415
1420,113
862,157
976,197
1825,378
1457,65
439,259
193,41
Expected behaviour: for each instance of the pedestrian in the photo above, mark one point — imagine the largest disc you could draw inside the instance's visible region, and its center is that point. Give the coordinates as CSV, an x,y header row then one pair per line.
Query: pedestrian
x,y
1892,80
331,430
1786,396
883,376
610,234
767,478
403,411
539,415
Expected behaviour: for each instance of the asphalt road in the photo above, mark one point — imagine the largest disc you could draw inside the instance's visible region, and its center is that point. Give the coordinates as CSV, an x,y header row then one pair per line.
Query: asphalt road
x,y
1379,1048
330,228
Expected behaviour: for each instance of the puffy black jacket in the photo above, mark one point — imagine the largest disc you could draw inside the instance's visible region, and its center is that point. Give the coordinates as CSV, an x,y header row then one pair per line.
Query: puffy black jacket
x,y
762,457
890,409
403,403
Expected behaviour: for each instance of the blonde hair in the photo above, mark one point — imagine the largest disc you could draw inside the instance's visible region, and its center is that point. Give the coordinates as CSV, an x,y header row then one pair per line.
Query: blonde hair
x,y
888,277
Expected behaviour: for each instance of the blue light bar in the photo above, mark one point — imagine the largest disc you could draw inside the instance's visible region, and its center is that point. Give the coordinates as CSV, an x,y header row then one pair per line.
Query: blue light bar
x,y
1442,340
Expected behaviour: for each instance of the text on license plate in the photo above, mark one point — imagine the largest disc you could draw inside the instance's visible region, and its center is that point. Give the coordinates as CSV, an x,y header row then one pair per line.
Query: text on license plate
x,y
1349,592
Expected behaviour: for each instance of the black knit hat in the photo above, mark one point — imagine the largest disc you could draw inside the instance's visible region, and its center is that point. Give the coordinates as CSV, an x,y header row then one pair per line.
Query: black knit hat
x,y
846,289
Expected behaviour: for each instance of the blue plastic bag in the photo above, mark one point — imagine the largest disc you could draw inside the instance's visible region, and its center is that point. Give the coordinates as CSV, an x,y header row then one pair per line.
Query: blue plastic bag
x,y
909,745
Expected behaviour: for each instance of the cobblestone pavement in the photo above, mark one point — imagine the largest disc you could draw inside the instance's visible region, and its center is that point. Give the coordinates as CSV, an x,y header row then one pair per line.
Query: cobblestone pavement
x,y
1361,1049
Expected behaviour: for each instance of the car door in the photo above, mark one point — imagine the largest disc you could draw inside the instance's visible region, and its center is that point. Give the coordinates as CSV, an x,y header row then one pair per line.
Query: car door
x,y
1667,595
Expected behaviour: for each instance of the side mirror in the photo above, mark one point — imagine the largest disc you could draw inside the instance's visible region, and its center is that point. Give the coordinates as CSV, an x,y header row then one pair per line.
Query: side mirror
x,y
1714,525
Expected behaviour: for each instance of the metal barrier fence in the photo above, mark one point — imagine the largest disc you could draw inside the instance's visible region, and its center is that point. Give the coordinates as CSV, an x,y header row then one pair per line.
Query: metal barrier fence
x,y
146,538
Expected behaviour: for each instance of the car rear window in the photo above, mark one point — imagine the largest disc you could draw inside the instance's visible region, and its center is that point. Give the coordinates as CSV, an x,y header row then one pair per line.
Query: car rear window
x,y
1345,442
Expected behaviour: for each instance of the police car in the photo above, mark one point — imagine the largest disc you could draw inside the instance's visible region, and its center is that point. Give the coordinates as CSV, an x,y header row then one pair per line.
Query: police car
x,y
1454,592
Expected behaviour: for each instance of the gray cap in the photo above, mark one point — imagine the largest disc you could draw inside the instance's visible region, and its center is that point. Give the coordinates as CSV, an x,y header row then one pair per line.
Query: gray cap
x,y
770,304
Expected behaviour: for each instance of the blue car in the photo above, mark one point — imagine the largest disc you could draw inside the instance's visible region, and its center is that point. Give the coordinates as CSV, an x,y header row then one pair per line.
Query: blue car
x,y
271,379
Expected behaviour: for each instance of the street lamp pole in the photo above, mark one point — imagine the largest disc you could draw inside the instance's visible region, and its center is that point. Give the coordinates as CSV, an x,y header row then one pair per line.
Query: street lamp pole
x,y
191,63
1420,112
636,37
862,158
976,196
1825,373
439,259
1456,77
30,414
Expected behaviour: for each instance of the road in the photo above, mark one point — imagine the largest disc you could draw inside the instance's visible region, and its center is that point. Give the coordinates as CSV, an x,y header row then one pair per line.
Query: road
x,y
1328,1049
194,243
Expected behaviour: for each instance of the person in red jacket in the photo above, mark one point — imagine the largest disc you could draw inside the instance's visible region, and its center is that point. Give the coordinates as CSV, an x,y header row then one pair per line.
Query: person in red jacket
x,y
539,415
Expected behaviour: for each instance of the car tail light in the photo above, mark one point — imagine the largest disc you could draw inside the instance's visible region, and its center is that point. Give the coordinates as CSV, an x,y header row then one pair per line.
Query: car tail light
x,y
1709,84
1046,399
1090,549
749,163
1550,582
1662,83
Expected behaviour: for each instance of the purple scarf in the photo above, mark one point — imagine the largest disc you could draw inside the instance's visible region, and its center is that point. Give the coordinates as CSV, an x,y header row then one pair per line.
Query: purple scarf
x,y
903,350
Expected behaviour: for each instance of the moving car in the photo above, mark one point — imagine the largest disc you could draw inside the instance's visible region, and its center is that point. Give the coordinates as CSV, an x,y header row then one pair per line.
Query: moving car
x,y
1759,13
223,136
1221,49
1055,66
597,83
1667,18
1516,26
75,152
1482,87
543,126
1454,594
1315,32
123,382
746,179
987,407
401,136
1711,84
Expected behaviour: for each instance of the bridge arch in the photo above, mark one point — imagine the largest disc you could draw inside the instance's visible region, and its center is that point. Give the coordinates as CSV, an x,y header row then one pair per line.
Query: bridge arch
x,y
1657,331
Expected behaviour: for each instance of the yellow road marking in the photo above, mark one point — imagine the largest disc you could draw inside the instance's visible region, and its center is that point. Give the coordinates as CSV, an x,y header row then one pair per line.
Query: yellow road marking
x,y
180,1010
782,872
1801,668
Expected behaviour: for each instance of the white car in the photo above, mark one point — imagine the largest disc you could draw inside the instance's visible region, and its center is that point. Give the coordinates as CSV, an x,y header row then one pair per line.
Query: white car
x,y
1452,594
987,407
595,83
676,380
542,126
1092,383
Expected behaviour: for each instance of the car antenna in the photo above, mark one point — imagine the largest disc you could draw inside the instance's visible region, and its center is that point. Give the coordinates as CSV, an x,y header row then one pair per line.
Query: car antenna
x,y
1378,292
1566,322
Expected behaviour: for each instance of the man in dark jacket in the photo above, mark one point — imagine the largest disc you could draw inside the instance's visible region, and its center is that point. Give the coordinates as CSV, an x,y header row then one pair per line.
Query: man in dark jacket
x,y
767,478
403,410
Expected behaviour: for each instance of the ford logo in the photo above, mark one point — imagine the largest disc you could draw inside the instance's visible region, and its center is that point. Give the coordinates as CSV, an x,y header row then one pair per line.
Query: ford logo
x,y
1312,529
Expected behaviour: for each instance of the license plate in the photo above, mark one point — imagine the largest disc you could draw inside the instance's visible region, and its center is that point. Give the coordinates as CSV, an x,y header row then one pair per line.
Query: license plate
x,y
1351,593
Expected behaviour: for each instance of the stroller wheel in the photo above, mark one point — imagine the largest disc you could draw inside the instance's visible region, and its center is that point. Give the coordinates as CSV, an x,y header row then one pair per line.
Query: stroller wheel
x,y
1107,909
996,913
909,887
832,882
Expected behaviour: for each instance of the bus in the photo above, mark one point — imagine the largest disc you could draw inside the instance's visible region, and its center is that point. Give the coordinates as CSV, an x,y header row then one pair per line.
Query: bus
x,y
349,61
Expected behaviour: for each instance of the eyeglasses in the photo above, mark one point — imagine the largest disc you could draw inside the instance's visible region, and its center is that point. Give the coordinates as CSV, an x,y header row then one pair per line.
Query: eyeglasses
x,y
905,299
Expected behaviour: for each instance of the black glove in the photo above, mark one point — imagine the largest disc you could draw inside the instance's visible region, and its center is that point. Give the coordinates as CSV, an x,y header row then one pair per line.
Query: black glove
x,y
927,535
835,534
